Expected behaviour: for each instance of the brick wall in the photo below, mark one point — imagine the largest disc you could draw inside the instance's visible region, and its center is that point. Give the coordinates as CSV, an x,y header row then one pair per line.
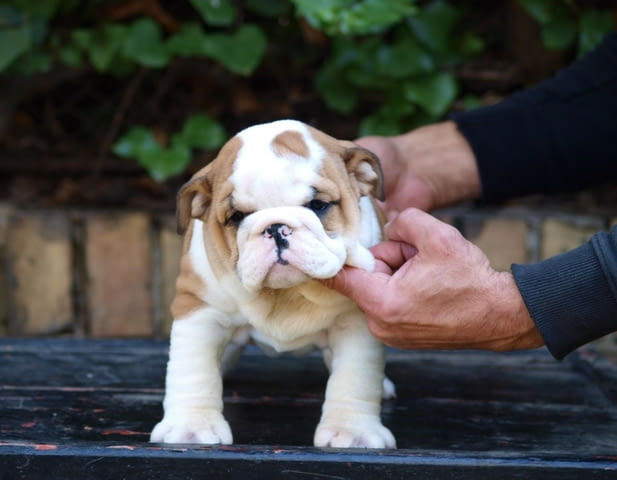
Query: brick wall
x,y
112,274
99,274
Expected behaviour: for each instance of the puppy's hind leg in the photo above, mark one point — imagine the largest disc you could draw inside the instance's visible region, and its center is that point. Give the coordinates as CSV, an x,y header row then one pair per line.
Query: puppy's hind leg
x,y
388,390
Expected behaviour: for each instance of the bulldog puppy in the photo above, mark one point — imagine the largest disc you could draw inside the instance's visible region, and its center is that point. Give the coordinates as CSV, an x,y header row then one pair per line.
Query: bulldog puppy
x,y
282,204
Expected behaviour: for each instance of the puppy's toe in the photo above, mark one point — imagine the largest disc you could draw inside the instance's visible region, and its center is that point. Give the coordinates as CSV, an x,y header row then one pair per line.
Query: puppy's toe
x,y
369,433
208,430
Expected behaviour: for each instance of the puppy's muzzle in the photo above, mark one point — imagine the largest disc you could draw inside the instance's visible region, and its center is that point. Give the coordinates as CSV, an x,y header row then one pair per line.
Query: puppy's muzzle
x,y
279,232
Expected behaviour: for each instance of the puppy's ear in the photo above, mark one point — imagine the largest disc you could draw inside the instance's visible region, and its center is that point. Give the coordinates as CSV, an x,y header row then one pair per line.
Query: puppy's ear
x,y
192,201
364,165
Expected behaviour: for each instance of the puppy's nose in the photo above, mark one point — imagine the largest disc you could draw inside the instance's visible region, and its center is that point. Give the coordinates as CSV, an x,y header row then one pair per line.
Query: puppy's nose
x,y
277,229
279,232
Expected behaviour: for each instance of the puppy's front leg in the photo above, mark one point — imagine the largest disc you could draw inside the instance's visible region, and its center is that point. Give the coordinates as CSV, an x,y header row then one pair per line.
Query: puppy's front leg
x,y
194,389
351,410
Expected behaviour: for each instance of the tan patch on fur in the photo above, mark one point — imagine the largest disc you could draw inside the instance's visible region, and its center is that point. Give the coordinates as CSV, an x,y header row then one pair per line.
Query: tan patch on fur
x,y
188,284
290,142
222,245
349,189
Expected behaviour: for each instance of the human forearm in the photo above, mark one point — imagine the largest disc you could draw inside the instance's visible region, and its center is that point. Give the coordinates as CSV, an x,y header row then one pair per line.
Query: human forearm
x,y
426,168
573,297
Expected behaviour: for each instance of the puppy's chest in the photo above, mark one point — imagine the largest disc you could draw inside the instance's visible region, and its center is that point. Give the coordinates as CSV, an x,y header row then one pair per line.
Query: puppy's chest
x,y
290,322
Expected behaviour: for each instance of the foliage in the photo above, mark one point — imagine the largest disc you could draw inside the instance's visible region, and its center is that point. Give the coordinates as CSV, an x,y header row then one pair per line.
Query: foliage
x,y
165,161
396,57
409,58
564,23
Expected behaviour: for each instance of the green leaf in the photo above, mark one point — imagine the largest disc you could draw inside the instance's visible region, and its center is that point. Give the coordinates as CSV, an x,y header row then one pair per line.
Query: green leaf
x,y
82,38
337,17
373,16
189,41
594,25
471,102
434,25
10,17
13,43
70,55
144,44
138,141
32,62
434,92
240,52
336,90
403,59
471,44
215,12
161,163
166,163
542,11
559,32
202,131
44,9
106,46
268,8
378,125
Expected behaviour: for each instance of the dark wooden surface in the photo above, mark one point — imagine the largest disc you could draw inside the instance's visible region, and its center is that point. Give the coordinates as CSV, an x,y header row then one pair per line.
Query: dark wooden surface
x,y
84,410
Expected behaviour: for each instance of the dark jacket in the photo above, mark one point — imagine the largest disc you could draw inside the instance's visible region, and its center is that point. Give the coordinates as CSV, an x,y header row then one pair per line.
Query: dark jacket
x,y
559,136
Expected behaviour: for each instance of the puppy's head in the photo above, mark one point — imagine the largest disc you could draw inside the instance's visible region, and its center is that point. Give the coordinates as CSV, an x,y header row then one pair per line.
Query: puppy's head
x,y
281,204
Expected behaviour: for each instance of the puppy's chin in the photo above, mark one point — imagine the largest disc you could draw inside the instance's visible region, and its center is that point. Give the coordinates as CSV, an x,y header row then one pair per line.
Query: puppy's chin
x,y
284,276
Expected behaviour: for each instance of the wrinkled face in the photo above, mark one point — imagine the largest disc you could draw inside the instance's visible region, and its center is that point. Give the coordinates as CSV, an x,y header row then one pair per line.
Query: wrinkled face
x,y
281,204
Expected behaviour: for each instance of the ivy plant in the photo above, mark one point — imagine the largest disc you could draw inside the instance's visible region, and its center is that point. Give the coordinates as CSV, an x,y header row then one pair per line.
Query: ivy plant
x,y
164,161
565,23
395,59
407,62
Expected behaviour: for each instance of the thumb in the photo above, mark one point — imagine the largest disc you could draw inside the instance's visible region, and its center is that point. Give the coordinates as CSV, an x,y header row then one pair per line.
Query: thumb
x,y
359,285
414,227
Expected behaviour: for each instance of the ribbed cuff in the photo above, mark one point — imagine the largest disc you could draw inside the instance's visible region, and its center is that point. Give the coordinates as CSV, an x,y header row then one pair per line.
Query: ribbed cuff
x,y
569,298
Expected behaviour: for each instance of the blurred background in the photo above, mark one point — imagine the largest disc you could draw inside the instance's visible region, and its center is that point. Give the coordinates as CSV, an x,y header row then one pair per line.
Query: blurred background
x,y
108,106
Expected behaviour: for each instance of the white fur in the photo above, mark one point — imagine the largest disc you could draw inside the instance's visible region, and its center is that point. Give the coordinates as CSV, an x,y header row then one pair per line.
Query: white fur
x,y
306,314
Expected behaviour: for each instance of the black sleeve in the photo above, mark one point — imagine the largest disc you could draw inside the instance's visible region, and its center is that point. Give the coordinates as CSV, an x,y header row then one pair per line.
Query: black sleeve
x,y
556,137
572,297
559,136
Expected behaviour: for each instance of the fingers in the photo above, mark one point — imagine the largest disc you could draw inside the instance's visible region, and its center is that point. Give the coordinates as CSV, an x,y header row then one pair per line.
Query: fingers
x,y
392,255
364,288
420,229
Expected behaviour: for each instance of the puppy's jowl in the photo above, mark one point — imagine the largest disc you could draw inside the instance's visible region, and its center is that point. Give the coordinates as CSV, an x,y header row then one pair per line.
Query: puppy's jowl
x,y
283,204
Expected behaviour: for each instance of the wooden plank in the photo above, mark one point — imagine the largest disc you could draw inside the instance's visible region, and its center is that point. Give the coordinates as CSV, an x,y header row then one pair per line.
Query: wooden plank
x,y
89,406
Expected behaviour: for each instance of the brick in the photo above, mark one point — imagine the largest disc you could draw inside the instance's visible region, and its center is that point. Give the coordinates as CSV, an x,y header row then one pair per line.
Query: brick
x,y
40,269
504,241
118,265
171,251
559,236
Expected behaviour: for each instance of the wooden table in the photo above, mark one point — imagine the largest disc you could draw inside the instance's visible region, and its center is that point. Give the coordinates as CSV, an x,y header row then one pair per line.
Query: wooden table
x,y
83,409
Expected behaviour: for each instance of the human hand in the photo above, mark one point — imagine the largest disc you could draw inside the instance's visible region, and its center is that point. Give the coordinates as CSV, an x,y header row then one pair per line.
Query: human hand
x,y
426,168
432,289
403,187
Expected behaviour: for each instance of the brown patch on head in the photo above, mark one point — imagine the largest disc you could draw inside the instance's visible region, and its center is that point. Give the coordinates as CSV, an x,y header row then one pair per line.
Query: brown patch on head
x,y
290,142
196,195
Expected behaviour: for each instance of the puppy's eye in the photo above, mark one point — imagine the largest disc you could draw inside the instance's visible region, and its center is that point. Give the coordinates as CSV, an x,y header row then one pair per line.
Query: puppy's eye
x,y
236,217
318,206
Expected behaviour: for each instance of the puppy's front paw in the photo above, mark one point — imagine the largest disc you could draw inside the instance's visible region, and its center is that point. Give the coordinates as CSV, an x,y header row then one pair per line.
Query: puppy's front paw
x,y
208,428
361,433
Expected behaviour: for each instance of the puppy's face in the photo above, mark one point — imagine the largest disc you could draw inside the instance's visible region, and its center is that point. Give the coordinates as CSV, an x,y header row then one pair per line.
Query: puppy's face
x,y
281,204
